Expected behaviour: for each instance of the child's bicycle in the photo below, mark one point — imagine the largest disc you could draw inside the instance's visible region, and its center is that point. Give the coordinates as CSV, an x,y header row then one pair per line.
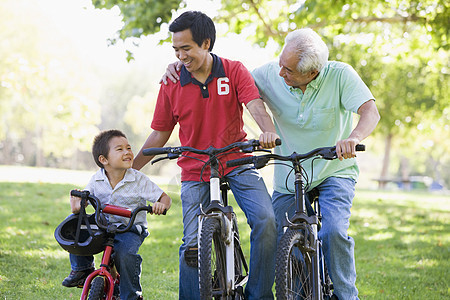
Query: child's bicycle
x,y
300,271
84,234
223,270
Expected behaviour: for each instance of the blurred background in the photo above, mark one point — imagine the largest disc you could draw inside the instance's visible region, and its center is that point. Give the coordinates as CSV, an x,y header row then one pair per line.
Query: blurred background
x,y
70,68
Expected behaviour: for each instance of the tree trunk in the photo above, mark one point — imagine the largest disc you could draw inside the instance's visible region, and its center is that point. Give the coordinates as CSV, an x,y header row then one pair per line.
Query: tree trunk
x,y
385,169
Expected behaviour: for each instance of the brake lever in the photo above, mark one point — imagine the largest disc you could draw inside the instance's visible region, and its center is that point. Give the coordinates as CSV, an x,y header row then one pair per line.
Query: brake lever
x,y
159,159
248,149
328,154
263,150
261,162
170,155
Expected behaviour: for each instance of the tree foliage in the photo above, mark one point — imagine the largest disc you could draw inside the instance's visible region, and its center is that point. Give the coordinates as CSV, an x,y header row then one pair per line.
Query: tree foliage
x,y
44,112
399,47
274,19
140,17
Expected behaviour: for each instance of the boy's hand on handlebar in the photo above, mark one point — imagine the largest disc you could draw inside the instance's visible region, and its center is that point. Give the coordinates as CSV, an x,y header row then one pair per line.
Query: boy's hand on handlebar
x,y
171,73
162,205
159,208
75,203
346,148
267,139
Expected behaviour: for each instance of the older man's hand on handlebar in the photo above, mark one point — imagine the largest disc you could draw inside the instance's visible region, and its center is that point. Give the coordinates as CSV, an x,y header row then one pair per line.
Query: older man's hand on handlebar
x,y
346,148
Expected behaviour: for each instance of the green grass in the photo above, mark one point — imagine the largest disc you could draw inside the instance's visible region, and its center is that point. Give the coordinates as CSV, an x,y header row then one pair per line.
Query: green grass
x,y
32,264
402,245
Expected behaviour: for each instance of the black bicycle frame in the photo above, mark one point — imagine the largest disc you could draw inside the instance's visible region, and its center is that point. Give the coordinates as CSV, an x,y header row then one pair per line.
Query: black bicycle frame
x,y
300,220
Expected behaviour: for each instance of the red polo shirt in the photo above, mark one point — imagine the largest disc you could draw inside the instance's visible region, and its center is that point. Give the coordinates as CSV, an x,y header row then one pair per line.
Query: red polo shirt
x,y
209,114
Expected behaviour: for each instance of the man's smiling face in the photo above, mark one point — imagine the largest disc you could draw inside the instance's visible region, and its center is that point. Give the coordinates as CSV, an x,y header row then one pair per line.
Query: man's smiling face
x,y
189,52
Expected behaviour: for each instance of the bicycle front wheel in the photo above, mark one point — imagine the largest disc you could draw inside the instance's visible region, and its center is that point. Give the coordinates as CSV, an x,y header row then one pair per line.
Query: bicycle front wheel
x,y
212,272
293,271
97,290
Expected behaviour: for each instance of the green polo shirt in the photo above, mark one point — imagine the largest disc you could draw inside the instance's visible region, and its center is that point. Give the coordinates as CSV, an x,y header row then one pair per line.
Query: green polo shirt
x,y
317,118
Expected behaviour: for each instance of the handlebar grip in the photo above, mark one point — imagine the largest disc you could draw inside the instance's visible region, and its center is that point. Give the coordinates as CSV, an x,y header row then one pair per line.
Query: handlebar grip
x,y
150,210
360,147
240,161
277,142
155,151
77,193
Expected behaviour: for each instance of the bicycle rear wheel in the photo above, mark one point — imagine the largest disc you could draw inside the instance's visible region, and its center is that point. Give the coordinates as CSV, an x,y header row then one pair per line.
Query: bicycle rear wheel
x,y
293,271
212,272
97,291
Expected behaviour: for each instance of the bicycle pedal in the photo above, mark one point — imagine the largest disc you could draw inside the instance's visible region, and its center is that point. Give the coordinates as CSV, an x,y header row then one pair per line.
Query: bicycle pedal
x,y
116,292
240,290
191,257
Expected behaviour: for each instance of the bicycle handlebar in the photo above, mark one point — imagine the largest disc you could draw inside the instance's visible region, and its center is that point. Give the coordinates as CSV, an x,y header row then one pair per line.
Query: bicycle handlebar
x,y
240,161
174,152
111,209
328,153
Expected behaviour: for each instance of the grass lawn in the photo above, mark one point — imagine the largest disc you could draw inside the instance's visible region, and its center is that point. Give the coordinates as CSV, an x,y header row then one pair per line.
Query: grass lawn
x,y
402,245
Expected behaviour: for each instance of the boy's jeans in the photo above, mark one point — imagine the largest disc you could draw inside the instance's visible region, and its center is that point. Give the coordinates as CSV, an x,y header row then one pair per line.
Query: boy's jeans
x,y
128,262
335,199
251,195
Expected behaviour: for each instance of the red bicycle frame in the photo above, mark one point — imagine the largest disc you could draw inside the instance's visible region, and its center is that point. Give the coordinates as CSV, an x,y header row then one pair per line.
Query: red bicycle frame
x,y
110,273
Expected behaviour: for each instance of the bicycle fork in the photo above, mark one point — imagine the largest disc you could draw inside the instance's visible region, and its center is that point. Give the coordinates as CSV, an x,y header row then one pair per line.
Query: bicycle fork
x,y
301,215
317,264
110,275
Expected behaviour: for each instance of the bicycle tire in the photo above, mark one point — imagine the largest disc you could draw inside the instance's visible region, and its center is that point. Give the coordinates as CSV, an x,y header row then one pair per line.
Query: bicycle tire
x,y
97,290
293,279
212,272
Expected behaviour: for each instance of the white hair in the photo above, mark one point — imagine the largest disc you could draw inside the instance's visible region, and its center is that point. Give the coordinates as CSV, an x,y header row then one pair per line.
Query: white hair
x,y
311,49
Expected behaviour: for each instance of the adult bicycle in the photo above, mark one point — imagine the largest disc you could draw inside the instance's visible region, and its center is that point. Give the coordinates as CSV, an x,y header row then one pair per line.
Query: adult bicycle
x,y
223,270
301,272
84,234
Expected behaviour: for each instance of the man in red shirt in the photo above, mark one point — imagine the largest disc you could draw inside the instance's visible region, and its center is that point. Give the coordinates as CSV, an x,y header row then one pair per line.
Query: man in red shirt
x,y
207,103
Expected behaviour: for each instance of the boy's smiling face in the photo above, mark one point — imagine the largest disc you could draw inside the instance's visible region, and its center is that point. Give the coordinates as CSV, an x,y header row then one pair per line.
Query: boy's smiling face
x,y
120,155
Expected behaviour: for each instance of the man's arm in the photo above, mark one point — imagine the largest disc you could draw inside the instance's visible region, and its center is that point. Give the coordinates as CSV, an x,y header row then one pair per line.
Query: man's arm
x,y
258,111
368,120
155,139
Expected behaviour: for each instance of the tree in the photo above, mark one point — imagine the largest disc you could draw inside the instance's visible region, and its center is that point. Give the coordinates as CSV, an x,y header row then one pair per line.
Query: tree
x,y
45,111
141,17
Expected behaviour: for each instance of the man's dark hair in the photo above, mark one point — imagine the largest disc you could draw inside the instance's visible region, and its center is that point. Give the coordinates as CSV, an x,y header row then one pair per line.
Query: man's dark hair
x,y
201,26
101,144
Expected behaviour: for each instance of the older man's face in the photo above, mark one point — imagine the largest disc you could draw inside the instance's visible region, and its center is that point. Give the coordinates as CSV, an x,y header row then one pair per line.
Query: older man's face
x,y
288,69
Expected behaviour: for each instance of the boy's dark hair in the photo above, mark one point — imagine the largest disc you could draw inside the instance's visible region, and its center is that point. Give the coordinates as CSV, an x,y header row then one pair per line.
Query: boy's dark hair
x,y
201,26
101,144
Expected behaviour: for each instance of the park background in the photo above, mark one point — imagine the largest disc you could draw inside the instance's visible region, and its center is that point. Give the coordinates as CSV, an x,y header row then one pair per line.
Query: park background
x,y
69,69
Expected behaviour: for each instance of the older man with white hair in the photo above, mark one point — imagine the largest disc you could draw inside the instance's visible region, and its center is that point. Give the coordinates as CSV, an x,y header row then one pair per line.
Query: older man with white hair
x,y
312,101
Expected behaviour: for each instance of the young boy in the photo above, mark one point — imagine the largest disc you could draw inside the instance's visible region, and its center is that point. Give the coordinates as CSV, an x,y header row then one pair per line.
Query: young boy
x,y
118,184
